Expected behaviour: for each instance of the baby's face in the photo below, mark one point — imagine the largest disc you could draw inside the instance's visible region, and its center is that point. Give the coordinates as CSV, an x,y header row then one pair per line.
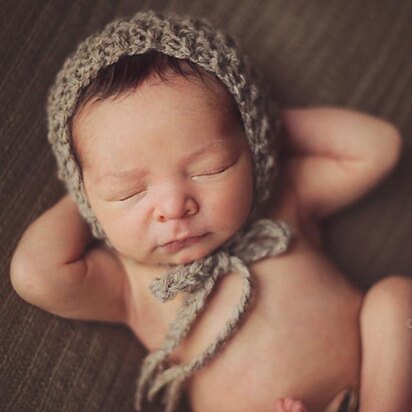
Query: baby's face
x,y
167,169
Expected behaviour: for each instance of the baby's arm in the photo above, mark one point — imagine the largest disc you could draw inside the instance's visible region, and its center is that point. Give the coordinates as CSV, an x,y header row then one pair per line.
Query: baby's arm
x,y
55,267
336,156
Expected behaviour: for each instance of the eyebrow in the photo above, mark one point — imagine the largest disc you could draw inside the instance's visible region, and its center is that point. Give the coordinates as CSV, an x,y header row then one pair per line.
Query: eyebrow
x,y
140,172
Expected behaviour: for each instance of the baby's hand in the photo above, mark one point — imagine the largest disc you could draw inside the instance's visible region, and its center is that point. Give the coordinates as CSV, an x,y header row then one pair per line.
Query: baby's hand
x,y
289,405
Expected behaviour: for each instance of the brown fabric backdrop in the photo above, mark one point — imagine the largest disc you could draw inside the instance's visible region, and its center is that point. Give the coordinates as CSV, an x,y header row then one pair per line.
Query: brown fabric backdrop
x,y
338,52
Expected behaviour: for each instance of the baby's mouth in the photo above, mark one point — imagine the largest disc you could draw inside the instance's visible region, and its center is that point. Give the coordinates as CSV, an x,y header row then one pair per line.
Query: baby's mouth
x,y
176,245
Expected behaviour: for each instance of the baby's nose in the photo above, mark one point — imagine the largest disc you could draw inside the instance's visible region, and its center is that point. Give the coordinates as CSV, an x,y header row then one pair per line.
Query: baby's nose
x,y
175,207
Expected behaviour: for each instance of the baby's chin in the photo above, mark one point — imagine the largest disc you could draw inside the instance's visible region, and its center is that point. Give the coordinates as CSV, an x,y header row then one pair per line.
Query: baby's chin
x,y
164,260
185,256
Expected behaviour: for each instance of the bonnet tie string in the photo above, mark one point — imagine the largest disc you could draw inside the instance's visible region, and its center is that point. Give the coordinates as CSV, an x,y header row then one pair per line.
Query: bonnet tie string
x,y
262,239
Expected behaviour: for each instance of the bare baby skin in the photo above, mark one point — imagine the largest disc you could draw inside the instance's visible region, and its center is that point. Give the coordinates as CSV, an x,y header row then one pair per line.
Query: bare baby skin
x,y
174,185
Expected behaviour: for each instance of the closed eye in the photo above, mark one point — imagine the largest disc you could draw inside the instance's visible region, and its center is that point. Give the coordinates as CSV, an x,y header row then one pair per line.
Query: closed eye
x,y
136,195
216,172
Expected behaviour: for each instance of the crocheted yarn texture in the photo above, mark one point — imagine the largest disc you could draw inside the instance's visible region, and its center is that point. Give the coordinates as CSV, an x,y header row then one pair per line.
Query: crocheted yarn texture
x,y
217,53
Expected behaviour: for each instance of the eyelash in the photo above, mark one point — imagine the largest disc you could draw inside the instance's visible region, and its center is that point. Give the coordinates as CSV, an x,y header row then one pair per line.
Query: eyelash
x,y
203,175
221,170
132,196
213,173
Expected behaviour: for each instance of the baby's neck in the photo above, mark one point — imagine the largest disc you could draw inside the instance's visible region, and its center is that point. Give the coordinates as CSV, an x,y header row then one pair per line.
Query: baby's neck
x,y
140,276
148,271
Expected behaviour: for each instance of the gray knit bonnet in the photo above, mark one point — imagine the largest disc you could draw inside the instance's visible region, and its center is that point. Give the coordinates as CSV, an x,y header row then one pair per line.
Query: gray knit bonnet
x,y
217,53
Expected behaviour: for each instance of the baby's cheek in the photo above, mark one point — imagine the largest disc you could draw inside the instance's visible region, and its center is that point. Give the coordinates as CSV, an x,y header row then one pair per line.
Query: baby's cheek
x,y
232,205
122,230
242,205
242,194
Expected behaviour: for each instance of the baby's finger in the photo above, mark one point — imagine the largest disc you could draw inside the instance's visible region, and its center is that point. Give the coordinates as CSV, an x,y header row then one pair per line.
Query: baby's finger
x,y
288,403
279,405
298,406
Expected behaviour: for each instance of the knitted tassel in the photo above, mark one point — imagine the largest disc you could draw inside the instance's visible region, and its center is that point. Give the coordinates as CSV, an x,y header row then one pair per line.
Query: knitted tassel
x,y
167,378
173,393
152,365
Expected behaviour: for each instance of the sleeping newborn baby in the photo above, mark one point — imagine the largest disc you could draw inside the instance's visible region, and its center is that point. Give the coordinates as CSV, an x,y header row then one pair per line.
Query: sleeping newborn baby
x,y
192,219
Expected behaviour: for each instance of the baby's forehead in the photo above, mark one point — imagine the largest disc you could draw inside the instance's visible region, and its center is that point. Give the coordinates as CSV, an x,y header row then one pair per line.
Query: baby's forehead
x,y
211,90
208,91
215,110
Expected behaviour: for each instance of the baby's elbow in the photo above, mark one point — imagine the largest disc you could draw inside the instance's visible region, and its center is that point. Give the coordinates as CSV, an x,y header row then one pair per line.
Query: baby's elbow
x,y
392,147
24,278
32,282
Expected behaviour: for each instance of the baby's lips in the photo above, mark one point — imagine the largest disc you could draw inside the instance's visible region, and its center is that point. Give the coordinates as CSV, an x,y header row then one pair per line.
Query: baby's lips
x,y
289,405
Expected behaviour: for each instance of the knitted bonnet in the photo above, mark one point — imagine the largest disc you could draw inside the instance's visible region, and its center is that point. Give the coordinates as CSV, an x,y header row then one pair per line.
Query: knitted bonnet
x,y
217,53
